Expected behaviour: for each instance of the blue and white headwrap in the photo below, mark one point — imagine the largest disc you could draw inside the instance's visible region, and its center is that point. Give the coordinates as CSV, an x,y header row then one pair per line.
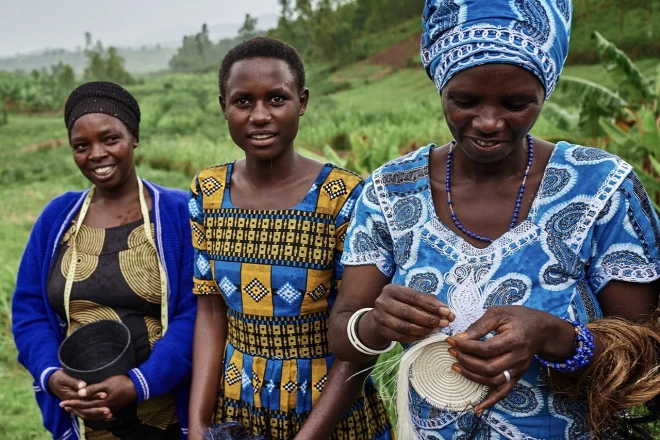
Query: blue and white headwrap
x,y
459,34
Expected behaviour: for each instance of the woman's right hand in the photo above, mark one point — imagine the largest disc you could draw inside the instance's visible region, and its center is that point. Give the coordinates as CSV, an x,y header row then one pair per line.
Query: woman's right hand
x,y
66,387
402,314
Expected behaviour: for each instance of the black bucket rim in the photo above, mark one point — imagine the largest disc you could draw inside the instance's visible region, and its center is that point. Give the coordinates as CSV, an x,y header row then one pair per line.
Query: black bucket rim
x,y
117,359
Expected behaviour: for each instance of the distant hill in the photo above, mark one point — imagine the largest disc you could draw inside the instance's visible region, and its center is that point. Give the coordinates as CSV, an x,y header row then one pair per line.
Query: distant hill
x,y
173,37
148,53
142,60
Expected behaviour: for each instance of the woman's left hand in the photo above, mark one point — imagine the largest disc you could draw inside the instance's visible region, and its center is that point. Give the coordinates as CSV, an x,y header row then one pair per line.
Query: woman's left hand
x,y
500,361
115,393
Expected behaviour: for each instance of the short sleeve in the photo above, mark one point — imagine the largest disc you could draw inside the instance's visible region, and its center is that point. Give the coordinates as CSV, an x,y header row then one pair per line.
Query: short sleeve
x,y
369,240
626,238
203,276
341,227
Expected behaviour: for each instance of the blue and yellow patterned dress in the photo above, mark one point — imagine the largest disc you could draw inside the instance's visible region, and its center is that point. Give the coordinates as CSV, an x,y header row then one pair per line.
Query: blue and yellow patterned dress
x,y
591,222
278,271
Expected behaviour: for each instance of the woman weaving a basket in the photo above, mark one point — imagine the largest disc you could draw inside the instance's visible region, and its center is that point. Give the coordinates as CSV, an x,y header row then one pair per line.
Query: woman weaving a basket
x,y
518,249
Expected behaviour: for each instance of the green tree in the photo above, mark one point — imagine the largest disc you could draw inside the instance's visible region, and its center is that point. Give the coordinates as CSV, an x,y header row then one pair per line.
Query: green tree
x,y
105,65
40,90
286,13
627,5
304,9
289,28
114,68
652,7
95,66
331,30
65,75
249,28
199,54
203,42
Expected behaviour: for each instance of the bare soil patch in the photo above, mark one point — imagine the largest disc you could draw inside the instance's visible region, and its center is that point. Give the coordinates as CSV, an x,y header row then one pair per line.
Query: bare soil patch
x,y
397,56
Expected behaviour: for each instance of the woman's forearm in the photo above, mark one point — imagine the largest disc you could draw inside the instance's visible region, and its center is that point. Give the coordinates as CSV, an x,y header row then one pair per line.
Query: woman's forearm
x,y
340,344
344,385
208,353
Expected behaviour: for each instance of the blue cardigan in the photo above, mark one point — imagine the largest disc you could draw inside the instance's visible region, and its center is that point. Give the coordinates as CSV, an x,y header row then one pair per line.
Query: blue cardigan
x,y
39,331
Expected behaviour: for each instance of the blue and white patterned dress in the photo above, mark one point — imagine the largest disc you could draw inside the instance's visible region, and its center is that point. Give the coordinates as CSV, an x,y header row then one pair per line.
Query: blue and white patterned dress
x,y
591,222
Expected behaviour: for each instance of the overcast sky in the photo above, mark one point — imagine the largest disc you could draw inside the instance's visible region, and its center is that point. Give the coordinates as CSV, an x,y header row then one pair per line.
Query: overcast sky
x,y
29,25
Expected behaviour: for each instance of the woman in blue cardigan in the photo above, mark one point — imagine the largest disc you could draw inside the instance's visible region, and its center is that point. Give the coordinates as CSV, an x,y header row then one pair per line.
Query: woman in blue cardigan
x,y
91,256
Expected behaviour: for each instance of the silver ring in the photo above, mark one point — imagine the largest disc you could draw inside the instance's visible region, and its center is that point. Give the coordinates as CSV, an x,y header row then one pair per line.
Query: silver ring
x,y
507,375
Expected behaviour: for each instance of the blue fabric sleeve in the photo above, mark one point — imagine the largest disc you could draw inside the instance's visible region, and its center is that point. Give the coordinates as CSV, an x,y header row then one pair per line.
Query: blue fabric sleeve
x,y
341,227
626,239
36,340
369,240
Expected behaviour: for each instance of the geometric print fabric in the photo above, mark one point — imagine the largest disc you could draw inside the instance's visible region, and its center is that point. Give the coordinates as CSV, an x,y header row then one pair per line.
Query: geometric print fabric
x,y
278,272
288,238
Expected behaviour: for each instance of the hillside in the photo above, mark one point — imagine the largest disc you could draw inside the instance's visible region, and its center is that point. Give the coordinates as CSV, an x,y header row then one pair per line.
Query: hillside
x,y
636,31
633,31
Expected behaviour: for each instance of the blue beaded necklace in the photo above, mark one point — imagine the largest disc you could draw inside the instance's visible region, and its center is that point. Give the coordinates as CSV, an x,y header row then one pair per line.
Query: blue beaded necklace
x,y
530,156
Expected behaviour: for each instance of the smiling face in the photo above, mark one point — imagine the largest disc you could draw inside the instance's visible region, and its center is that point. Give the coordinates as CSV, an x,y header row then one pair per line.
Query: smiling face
x,y
103,150
262,106
489,109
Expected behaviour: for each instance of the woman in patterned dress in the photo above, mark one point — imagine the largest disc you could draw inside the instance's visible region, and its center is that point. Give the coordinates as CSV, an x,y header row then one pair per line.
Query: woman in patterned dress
x,y
449,238
117,251
268,233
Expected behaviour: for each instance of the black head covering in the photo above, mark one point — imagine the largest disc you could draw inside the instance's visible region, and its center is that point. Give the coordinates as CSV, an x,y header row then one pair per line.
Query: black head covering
x,y
103,97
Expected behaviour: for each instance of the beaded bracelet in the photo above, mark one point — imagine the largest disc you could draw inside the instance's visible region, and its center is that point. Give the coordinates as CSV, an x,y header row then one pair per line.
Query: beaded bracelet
x,y
583,353
355,340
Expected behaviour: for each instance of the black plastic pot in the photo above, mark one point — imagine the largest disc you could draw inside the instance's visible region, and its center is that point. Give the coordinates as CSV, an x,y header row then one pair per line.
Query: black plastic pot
x,y
97,351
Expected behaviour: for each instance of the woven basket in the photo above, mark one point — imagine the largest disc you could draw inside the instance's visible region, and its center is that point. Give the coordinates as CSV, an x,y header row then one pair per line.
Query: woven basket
x,y
97,351
434,380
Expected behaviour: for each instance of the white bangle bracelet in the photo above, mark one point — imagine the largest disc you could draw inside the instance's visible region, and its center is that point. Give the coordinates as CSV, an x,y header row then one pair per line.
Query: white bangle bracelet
x,y
355,340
